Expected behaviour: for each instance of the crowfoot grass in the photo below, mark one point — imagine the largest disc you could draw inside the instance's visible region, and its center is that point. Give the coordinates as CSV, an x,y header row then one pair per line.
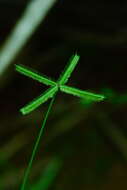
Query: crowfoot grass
x,y
55,86
50,93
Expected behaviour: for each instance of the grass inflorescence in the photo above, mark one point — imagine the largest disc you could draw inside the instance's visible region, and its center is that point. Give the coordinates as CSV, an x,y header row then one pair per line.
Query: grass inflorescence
x,y
50,93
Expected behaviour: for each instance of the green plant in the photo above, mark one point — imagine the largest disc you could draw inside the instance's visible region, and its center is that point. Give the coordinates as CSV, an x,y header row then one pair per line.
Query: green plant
x,y
55,86
50,93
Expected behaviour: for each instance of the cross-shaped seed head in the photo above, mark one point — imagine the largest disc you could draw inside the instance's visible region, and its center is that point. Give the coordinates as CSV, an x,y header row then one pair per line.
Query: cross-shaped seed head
x,y
55,86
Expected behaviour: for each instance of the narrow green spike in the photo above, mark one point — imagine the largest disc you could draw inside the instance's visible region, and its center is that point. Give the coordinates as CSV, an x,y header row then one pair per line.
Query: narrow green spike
x,y
39,100
68,69
34,75
81,93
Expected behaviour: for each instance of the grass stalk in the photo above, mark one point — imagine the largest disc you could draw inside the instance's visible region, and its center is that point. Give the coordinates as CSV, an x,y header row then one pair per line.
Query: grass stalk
x,y
36,146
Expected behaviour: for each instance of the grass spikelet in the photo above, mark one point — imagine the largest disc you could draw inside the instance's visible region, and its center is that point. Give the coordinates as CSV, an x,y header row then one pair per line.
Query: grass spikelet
x,y
82,93
34,75
69,69
39,100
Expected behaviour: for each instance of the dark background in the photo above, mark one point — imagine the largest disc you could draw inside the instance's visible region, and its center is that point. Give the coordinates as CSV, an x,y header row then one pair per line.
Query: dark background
x,y
89,139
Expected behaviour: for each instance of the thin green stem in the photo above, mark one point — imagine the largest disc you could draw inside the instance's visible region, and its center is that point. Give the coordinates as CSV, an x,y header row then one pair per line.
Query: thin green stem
x,y
36,145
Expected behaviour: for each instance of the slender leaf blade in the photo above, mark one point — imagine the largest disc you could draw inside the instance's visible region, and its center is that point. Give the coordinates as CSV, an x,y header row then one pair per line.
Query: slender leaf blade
x,y
39,100
81,93
69,69
48,175
34,75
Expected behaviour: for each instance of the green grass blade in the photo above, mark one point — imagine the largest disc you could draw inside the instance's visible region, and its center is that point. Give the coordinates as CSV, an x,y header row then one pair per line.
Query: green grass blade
x,y
34,75
36,146
81,93
68,69
39,100
33,15
48,175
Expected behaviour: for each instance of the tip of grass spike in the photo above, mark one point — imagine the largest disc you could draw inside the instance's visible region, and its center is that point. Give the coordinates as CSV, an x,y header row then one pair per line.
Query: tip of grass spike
x,y
101,97
23,111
